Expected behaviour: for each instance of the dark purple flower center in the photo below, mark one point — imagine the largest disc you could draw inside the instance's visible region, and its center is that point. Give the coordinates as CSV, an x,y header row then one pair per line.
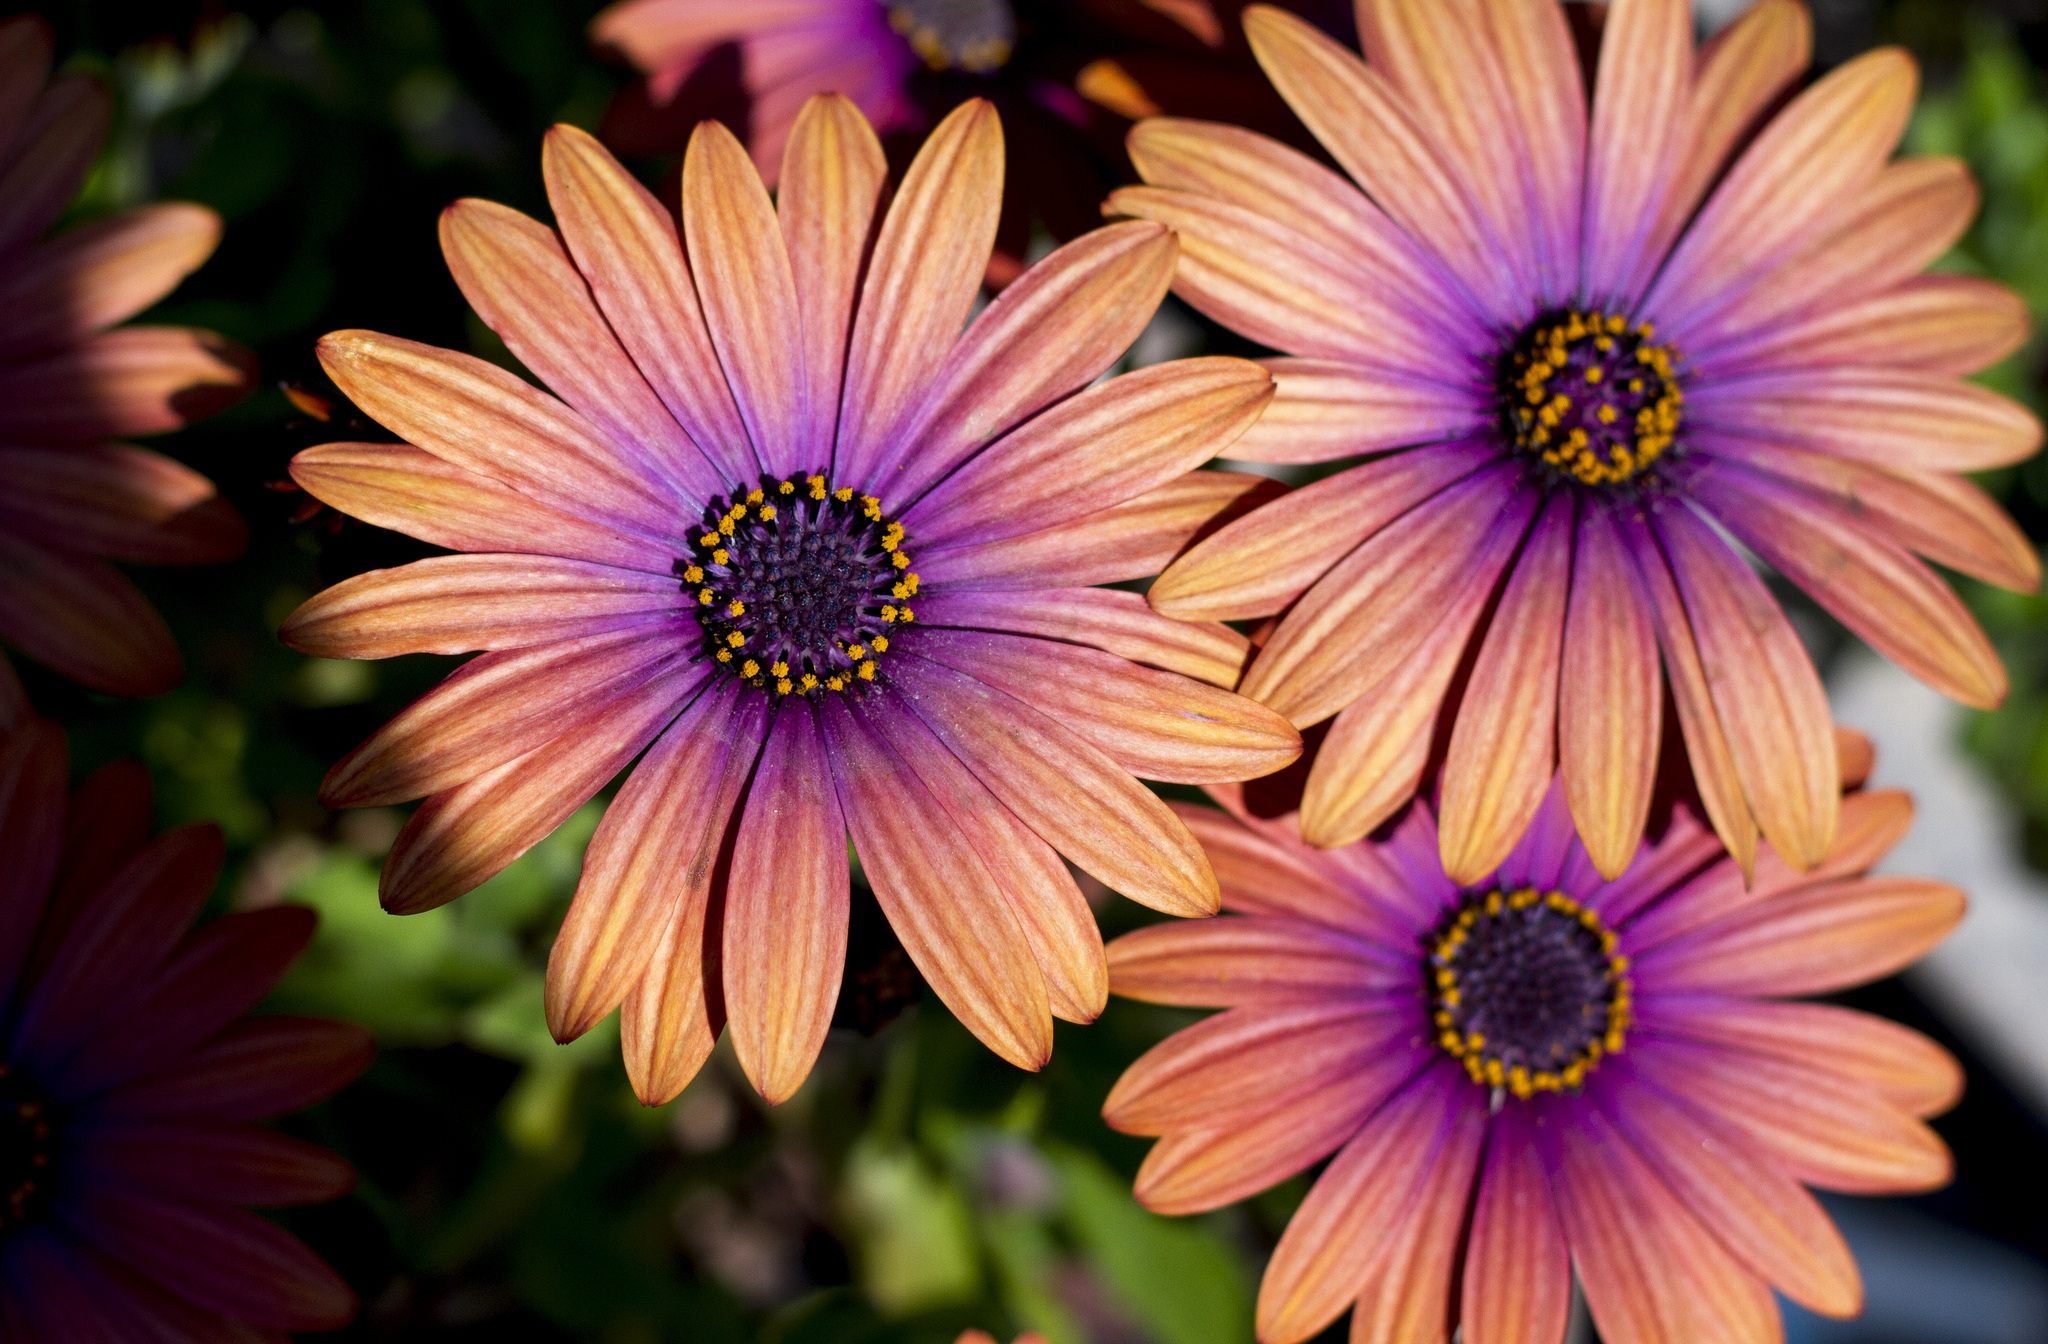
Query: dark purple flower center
x,y
976,36
28,1150
1527,989
1589,397
799,587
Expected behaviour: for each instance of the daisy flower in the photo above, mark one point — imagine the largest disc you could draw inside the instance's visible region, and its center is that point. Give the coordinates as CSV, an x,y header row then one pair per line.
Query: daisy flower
x,y
825,559
132,1083
1543,1072
1581,345
70,500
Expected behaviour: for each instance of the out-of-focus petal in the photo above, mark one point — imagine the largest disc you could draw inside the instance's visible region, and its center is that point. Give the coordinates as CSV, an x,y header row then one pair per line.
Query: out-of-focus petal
x,y
132,380
77,616
51,154
257,1069
119,502
88,278
34,774
217,1164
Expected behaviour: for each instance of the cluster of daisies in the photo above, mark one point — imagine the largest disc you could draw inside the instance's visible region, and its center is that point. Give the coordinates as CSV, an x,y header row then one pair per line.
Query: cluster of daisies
x,y
1558,348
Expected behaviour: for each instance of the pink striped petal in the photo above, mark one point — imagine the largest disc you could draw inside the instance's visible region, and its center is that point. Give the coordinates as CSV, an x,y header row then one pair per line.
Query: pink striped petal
x,y
1610,701
519,279
1503,748
1819,151
1243,961
1133,540
1764,689
1408,1299
1873,586
132,380
1116,622
404,488
652,861
833,183
1908,1070
1641,101
120,502
1052,332
1518,1273
1937,323
1327,409
467,603
749,295
1547,128
497,707
1367,615
477,416
460,838
628,249
1258,564
939,896
926,269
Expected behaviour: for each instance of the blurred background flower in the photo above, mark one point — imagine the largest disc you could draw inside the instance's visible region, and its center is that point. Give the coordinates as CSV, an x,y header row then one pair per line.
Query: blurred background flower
x,y
515,1189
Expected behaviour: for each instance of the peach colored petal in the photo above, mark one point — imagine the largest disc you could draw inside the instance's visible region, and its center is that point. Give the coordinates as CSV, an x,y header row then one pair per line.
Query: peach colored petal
x,y
1908,1070
1547,129
1157,725
1874,586
1263,869
628,249
1283,289
479,417
1764,688
1261,563
1102,447
926,269
1060,326
833,183
398,486
939,896
1503,748
1938,323
1642,97
786,908
132,380
749,294
1244,961
651,862
1946,518
516,275
1343,1231
1825,1131
1651,1273
1408,1299
1518,1273
1736,76
1811,941
1224,1070
46,163
1363,618
468,603
1042,895
81,619
93,276
120,502
1707,746
456,840
1908,215
496,707
1073,795
1116,622
1359,119
1610,702
671,1018
1133,540
1820,150
1773,1226
1328,409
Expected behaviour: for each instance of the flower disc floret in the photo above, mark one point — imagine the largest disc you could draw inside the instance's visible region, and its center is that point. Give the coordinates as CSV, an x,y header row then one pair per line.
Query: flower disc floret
x,y
1528,990
28,1150
1590,396
798,585
976,36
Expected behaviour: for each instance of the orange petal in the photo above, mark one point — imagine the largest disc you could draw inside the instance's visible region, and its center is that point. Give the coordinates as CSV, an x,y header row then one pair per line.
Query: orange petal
x,y
628,250
749,295
650,863
671,1018
786,908
466,603
1610,703
1503,748
1260,563
938,894
1327,409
